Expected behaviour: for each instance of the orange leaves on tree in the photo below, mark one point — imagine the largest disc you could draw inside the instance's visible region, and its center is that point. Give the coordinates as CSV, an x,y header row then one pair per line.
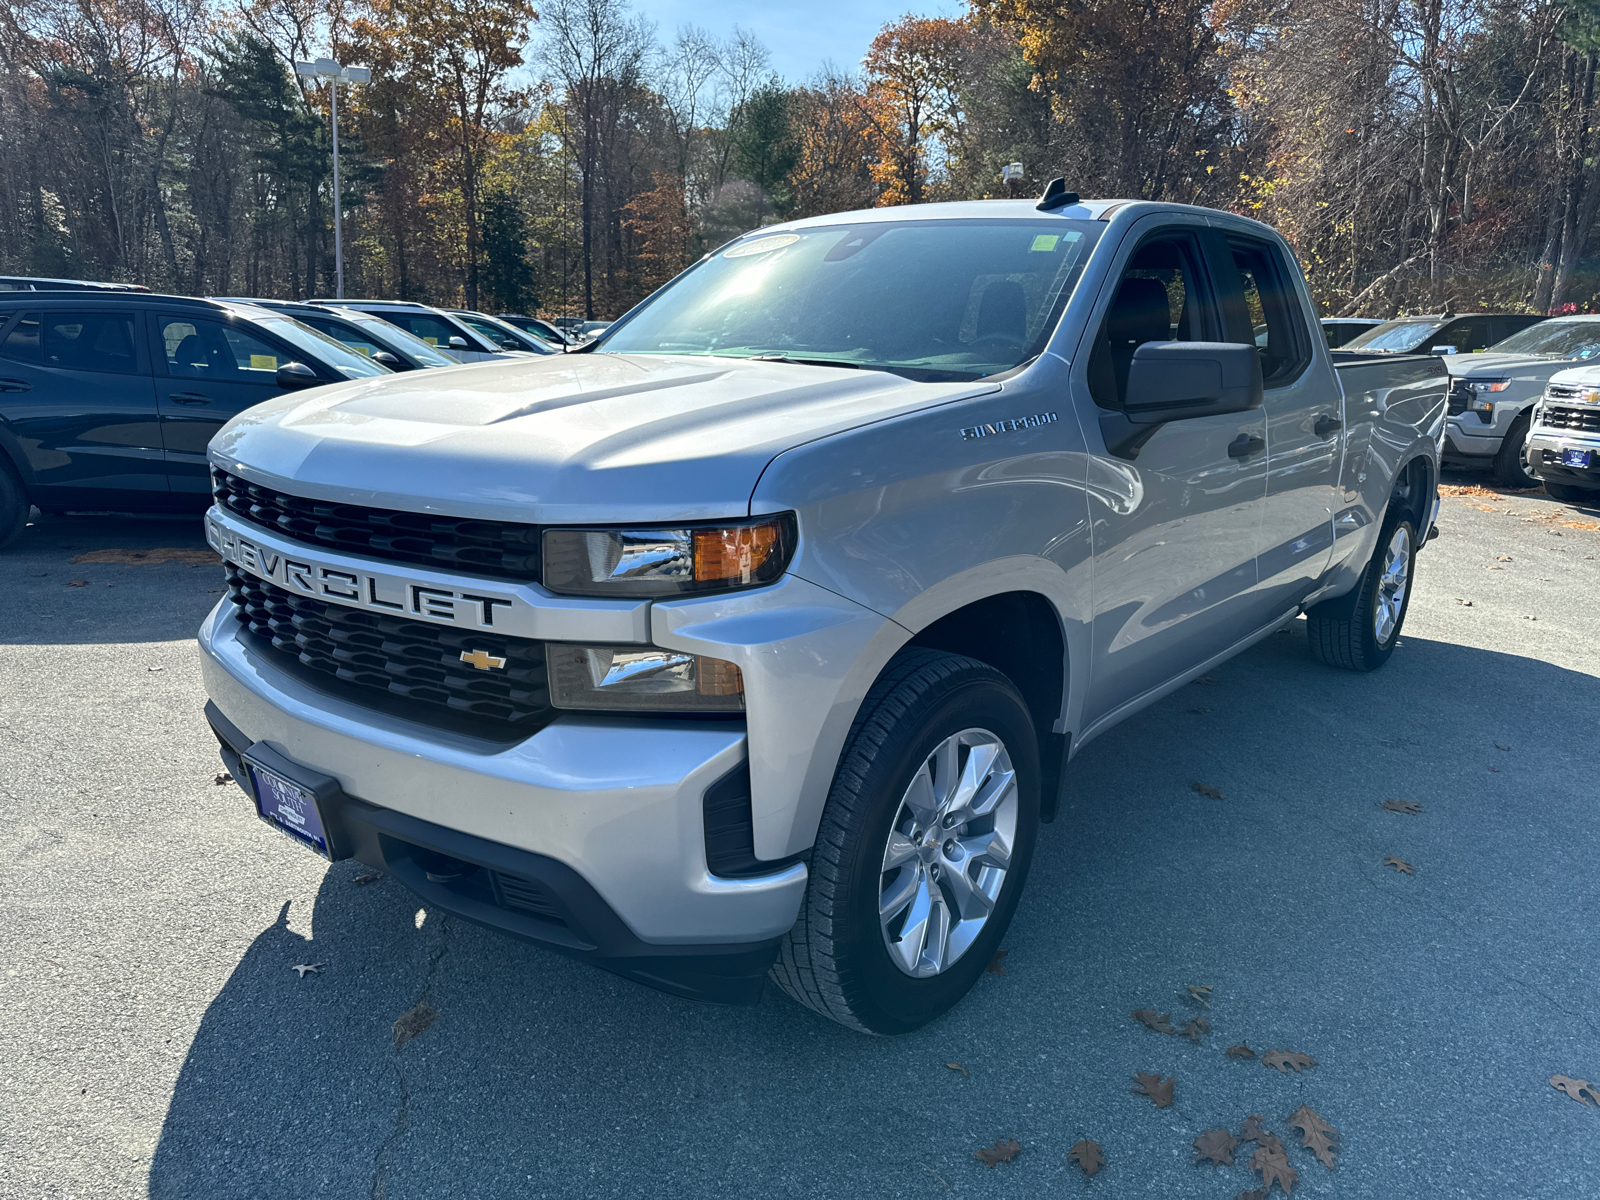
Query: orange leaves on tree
x,y
914,71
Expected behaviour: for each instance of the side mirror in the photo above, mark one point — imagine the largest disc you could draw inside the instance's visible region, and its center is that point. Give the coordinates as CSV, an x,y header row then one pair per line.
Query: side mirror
x,y
1442,350
384,358
458,342
1178,381
293,376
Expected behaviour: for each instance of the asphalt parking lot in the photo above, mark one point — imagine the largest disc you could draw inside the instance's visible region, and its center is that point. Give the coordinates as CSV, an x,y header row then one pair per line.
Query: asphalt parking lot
x,y
156,1040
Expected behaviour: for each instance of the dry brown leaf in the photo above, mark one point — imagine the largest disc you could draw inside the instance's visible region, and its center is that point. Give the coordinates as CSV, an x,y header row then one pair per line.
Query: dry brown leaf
x,y
1088,1155
412,1022
1410,807
369,877
306,968
1209,792
1252,1194
1241,1051
998,1153
1316,1135
1274,1167
1200,993
1253,1130
1579,524
222,778
1196,1029
1464,489
149,558
1282,1060
1151,1019
1158,1089
1580,1090
77,583
965,1074
1216,1145
1400,865
996,966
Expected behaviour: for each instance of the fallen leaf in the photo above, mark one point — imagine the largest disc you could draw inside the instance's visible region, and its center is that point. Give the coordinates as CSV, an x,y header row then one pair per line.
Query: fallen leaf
x,y
1316,1135
1580,1090
1200,993
1274,1167
1252,1130
1503,558
1498,746
303,968
222,778
1253,1194
1151,1019
412,1022
1241,1051
77,583
1494,568
1409,807
149,558
965,1074
1401,866
1196,1029
996,967
1282,1060
1209,792
1088,1155
1216,1145
1158,1089
1000,1152
155,668
369,877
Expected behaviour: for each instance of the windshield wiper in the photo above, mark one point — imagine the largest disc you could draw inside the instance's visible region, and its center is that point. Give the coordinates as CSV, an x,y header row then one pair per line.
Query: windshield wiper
x,y
814,362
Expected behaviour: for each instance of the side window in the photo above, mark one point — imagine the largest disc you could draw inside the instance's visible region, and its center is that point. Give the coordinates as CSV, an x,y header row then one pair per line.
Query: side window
x,y
430,329
1277,322
200,349
1161,297
75,341
1468,335
343,334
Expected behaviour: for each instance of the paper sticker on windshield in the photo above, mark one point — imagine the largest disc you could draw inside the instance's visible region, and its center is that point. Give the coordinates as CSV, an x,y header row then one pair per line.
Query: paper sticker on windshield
x,y
1045,241
431,341
762,245
263,362
362,350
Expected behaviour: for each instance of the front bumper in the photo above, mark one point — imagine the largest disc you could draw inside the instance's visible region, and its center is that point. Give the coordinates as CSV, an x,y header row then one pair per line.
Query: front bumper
x,y
1467,437
605,814
1544,456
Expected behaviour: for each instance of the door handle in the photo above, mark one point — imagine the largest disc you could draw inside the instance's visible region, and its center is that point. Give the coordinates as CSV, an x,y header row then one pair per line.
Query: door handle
x,y
189,398
15,385
1245,445
1326,425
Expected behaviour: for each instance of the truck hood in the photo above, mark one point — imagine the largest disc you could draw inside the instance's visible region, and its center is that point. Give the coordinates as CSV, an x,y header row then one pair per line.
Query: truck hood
x,y
1486,364
570,439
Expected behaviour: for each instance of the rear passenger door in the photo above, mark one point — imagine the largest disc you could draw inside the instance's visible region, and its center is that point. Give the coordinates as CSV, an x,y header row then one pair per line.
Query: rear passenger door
x,y
76,393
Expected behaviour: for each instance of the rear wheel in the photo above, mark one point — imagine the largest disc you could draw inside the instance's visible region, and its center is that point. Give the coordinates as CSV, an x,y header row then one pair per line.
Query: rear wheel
x,y
13,507
1569,494
1358,632
923,847
1511,460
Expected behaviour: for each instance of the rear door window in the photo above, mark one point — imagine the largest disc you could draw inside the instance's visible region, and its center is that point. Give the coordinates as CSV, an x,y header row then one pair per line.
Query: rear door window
x,y
1467,334
75,341
1277,321
200,349
425,326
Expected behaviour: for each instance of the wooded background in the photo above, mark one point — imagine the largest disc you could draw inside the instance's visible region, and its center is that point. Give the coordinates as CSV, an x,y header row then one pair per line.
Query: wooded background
x,y
1419,154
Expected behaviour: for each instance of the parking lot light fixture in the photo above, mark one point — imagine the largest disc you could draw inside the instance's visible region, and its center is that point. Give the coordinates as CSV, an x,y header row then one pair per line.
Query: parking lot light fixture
x,y
330,70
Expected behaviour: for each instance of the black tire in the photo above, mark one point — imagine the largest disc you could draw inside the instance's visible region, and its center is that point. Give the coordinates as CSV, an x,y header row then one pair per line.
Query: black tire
x,y
1345,632
13,507
1570,494
1511,460
836,960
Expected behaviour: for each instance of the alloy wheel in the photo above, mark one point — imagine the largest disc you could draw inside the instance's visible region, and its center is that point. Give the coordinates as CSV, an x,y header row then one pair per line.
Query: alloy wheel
x,y
1392,585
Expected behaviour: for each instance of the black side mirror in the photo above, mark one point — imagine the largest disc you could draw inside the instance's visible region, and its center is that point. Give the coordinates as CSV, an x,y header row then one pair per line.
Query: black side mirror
x,y
384,359
294,375
459,343
1178,381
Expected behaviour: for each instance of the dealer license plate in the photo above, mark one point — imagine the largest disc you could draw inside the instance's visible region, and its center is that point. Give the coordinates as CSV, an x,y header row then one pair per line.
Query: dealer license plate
x,y
289,808
1575,458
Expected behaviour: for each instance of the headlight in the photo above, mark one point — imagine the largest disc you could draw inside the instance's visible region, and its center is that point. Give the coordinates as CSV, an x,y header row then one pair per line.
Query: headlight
x,y
642,679
1488,385
667,562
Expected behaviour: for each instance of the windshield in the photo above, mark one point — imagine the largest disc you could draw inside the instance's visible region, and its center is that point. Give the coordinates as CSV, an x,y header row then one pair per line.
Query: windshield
x,y
404,340
932,300
335,353
1556,339
1401,335
501,334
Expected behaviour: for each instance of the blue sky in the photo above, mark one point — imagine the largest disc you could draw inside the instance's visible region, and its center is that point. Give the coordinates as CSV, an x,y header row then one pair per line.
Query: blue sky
x,y
801,36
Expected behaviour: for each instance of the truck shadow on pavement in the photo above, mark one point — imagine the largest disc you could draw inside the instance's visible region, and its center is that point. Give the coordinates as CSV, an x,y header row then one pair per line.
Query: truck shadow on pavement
x,y
543,1077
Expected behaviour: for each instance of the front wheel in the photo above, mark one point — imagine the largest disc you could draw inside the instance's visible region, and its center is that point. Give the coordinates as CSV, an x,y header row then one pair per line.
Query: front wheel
x,y
1568,494
1359,631
1511,460
923,847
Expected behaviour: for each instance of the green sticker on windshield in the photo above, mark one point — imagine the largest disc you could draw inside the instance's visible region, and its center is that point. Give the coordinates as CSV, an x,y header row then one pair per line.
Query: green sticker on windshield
x,y
1045,241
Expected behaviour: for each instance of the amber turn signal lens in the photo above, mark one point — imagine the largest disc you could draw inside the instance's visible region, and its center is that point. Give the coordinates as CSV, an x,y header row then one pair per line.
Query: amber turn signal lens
x,y
735,556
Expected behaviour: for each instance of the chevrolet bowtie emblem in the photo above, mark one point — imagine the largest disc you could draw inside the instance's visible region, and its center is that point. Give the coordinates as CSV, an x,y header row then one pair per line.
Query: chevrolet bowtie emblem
x,y
483,660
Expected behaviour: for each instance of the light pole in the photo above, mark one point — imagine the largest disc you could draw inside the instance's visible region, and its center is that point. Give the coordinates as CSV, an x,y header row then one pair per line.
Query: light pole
x,y
327,68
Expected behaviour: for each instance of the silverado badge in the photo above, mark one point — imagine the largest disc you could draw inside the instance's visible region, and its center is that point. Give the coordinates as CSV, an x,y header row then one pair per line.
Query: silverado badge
x,y
483,660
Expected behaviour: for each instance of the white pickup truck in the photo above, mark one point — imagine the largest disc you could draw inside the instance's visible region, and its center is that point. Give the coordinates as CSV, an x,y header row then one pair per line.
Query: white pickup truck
x,y
753,639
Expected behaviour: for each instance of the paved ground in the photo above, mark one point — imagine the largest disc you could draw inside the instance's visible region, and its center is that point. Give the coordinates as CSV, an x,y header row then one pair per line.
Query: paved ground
x,y
155,1041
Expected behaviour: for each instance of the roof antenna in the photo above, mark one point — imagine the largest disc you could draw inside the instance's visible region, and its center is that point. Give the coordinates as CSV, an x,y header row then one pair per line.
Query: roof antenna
x,y
1056,196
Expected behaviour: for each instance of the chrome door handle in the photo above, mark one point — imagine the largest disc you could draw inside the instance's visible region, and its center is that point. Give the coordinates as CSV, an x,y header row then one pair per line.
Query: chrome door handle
x,y
1326,425
189,398
15,385
1245,445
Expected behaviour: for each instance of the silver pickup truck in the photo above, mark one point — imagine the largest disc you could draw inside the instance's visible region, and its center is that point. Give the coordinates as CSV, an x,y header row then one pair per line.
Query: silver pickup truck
x,y
754,638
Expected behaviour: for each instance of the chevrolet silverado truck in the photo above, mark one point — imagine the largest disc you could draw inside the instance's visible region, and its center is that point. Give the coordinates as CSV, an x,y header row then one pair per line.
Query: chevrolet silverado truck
x,y
1564,443
752,639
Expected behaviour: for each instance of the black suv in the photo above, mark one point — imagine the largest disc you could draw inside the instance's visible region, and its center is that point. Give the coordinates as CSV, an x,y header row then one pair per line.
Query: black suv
x,y
107,400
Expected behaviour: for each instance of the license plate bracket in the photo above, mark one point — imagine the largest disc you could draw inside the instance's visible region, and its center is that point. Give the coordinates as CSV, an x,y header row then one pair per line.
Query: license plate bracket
x,y
1576,458
293,799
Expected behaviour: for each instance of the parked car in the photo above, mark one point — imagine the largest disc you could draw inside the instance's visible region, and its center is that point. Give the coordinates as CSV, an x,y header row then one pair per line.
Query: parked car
x,y
571,326
1339,330
595,328
1441,333
30,283
755,635
1492,394
539,328
435,326
1564,445
506,335
371,336
107,400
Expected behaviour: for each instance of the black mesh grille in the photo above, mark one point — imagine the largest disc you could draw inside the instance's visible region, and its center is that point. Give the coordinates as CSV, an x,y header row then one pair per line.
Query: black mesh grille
x,y
1577,418
1459,395
415,663
523,895
496,548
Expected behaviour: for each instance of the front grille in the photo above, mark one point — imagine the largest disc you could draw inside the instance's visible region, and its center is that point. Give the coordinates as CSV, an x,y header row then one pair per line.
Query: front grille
x,y
498,548
1571,418
414,664
1563,391
1460,393
523,895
